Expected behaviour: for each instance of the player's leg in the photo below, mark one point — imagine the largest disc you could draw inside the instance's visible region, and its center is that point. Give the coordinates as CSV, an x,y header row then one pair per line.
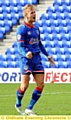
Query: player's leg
x,y
21,90
20,93
38,73
25,72
39,79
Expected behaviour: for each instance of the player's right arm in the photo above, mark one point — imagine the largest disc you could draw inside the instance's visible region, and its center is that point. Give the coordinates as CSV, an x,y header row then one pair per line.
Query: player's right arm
x,y
20,35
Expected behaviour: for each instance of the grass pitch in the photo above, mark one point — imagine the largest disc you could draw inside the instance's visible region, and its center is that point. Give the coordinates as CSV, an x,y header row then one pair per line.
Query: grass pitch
x,y
55,99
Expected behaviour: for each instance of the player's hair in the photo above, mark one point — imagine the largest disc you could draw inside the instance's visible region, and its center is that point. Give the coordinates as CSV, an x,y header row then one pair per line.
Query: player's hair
x,y
28,6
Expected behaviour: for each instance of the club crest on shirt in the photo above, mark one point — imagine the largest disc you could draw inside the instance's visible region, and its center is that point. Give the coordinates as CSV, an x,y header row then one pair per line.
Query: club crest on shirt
x,y
18,37
25,67
29,33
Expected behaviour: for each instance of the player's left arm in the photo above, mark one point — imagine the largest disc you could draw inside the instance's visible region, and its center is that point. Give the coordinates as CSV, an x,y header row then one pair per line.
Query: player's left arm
x,y
46,53
43,49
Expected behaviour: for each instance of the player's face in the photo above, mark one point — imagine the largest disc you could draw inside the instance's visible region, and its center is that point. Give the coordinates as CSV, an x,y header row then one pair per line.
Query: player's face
x,y
31,15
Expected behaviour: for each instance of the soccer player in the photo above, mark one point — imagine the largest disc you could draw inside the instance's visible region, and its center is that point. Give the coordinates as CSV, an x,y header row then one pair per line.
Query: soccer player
x,y
29,48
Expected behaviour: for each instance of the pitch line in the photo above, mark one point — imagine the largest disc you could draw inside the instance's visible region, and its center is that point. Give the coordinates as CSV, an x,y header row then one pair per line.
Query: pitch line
x,y
57,93
49,93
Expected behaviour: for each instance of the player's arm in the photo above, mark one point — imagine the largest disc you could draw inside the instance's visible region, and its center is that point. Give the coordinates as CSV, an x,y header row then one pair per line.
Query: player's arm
x,y
40,44
21,41
43,49
46,53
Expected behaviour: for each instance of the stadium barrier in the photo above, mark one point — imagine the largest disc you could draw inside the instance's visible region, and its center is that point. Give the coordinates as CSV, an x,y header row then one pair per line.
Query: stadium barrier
x,y
12,75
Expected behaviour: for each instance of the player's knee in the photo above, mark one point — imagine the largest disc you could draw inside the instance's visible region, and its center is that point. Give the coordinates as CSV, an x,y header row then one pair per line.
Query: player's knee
x,y
41,85
24,87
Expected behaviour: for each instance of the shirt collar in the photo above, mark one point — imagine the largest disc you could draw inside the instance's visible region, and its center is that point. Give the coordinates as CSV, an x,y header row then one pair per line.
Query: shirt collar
x,y
28,25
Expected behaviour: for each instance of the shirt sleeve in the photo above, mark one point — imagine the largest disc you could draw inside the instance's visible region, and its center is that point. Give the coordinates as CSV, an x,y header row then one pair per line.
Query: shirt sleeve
x,y
41,46
43,49
20,36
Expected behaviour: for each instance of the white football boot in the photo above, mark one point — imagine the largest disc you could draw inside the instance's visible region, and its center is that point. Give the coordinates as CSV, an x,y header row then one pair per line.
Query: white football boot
x,y
30,112
19,110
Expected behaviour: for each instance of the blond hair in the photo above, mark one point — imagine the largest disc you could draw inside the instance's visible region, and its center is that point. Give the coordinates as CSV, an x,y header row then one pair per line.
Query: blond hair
x,y
26,7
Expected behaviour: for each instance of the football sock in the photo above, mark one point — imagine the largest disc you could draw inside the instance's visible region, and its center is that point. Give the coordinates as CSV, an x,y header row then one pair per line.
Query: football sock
x,y
19,96
35,96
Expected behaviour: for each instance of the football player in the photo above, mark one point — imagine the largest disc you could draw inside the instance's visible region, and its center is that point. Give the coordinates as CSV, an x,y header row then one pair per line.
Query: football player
x,y
29,47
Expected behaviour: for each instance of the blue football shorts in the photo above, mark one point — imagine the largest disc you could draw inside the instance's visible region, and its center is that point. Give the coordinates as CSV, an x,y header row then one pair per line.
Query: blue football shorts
x,y
33,65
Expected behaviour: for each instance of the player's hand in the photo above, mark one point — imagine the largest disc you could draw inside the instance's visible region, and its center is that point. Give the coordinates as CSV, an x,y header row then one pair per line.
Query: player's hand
x,y
51,60
29,55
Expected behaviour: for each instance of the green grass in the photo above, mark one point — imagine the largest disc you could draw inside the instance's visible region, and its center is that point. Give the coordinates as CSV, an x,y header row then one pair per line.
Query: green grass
x,y
55,99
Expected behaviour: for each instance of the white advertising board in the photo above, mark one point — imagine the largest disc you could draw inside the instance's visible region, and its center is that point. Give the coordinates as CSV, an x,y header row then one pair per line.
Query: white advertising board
x,y
12,75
